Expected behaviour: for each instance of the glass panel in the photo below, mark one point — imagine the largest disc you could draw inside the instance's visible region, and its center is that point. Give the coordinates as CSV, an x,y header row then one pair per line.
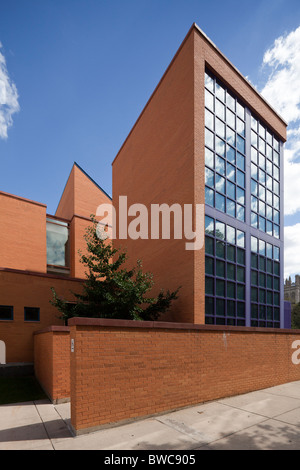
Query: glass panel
x,y
220,249
240,274
230,209
220,230
220,268
209,177
230,172
231,290
58,252
220,307
230,136
230,235
209,306
220,202
230,190
231,253
209,82
220,165
209,225
254,261
240,292
220,128
209,119
209,266
220,92
231,271
220,110
209,286
220,288
230,308
240,161
241,256
254,311
230,154
209,246
241,312
220,183
209,138
209,100
209,158
209,197
240,238
220,147
254,278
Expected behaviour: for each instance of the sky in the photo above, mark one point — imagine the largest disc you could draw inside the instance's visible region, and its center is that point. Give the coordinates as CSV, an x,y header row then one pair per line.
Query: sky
x,y
76,74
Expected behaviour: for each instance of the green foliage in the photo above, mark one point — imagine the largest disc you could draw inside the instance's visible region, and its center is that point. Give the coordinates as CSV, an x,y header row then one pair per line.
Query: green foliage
x,y
296,317
110,290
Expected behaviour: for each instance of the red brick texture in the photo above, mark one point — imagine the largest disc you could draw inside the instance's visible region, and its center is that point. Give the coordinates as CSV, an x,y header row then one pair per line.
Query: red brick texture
x,y
122,370
162,161
52,362
25,289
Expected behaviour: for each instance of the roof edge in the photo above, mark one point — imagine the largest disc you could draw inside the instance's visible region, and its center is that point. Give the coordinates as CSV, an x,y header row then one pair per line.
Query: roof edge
x,y
91,179
199,30
238,72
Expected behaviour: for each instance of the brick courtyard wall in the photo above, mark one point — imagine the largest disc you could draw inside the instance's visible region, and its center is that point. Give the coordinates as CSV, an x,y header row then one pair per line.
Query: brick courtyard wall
x,y
121,370
52,362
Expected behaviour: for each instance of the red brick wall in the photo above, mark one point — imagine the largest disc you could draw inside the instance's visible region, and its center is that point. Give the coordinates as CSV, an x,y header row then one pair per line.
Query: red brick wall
x,y
21,289
52,361
162,161
23,234
122,369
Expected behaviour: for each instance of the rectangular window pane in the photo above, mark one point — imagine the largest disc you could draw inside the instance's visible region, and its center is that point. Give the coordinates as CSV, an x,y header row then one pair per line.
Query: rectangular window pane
x,y
31,314
6,312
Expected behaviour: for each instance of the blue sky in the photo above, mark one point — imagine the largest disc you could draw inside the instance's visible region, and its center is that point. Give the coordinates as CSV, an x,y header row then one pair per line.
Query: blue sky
x,y
78,73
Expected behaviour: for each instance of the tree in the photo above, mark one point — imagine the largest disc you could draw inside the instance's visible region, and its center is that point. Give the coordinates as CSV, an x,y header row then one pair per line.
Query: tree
x,y
110,290
296,316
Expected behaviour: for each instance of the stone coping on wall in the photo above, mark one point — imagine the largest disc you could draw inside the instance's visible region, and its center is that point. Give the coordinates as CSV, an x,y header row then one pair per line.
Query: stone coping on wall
x,y
111,323
53,328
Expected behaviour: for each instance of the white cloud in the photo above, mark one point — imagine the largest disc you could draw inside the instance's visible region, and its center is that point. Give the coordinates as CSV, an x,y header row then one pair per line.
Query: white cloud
x,y
291,250
9,104
282,91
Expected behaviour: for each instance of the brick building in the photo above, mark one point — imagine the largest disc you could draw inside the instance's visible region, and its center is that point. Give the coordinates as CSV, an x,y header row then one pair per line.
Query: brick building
x,y
207,137
39,251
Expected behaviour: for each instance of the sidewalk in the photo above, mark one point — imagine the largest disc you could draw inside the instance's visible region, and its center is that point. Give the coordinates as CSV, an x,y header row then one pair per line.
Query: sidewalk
x,y
268,420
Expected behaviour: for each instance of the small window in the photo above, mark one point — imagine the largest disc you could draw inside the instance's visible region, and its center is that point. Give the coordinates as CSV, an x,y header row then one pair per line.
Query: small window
x,y
31,314
6,312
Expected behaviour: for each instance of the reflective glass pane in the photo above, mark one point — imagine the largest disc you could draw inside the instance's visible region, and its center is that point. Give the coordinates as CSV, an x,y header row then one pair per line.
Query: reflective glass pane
x,y
209,177
209,158
209,225
209,197
220,202
220,184
57,245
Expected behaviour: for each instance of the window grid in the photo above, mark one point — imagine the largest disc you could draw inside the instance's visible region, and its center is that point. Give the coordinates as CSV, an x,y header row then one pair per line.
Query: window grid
x,y
225,148
225,279
265,284
265,180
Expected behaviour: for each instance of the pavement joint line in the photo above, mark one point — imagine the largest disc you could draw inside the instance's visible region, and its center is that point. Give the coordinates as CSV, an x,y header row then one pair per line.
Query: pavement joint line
x,y
240,430
279,395
177,429
207,443
44,425
246,411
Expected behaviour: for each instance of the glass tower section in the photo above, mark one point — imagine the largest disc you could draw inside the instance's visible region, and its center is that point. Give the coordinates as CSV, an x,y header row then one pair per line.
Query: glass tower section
x,y
243,232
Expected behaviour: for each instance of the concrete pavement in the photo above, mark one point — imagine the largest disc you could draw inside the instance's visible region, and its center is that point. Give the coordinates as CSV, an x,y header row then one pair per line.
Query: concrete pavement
x,y
267,420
